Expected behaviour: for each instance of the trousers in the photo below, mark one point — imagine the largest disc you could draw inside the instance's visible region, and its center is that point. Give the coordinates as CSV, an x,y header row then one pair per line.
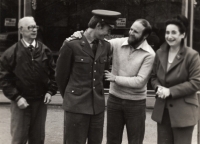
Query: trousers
x,y
173,135
28,125
129,113
80,128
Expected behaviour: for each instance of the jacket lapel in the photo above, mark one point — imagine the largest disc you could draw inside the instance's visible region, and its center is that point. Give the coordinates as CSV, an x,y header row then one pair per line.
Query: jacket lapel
x,y
86,47
179,57
163,56
99,50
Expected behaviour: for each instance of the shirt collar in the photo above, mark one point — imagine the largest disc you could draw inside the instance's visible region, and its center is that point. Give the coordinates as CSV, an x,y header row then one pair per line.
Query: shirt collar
x,y
144,45
26,44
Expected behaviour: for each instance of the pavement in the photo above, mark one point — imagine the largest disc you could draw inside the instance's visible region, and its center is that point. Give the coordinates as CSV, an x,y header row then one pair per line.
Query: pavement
x,y
55,122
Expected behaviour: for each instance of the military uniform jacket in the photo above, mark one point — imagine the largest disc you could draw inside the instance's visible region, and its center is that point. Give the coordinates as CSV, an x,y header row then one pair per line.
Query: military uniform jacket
x,y
79,76
183,80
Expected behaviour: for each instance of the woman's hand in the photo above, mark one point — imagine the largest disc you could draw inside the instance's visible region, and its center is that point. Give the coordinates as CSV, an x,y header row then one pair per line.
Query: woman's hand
x,y
163,92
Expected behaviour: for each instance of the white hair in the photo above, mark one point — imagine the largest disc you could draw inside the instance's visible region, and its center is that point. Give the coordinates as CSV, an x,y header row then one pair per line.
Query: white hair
x,y
25,19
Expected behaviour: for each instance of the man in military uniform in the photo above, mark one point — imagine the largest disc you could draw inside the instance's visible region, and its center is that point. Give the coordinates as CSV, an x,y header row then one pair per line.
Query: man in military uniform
x,y
79,75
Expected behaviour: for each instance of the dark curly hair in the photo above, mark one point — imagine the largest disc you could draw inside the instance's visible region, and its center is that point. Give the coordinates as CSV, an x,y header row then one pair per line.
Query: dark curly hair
x,y
181,22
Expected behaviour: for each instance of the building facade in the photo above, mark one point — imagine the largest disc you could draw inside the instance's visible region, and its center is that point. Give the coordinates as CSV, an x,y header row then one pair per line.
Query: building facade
x,y
58,19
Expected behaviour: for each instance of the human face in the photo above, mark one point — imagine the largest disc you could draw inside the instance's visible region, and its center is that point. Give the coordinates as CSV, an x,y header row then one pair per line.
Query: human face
x,y
102,32
173,36
136,34
27,33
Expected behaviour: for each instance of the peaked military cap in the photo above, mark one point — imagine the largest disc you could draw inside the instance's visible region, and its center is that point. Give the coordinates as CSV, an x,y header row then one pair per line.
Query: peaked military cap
x,y
107,16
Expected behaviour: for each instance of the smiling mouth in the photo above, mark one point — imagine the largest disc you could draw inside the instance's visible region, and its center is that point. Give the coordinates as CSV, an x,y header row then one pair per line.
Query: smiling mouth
x,y
170,40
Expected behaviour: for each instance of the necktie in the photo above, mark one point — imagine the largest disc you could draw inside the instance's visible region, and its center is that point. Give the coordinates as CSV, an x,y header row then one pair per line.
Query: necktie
x,y
31,48
95,46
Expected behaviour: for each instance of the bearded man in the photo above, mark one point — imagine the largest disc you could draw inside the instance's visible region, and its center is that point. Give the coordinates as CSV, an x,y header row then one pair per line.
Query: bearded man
x,y
132,64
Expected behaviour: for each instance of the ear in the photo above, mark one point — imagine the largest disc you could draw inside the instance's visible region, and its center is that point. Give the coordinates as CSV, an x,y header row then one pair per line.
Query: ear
x,y
99,26
145,36
20,30
183,35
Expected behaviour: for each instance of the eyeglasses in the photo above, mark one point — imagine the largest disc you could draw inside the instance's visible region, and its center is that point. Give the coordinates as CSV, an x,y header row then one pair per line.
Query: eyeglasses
x,y
32,27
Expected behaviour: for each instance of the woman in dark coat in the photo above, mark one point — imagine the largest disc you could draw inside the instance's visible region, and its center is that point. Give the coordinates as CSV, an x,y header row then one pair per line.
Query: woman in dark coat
x,y
176,79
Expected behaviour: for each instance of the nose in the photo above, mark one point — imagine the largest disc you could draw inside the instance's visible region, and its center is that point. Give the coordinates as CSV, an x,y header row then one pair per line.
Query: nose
x,y
169,36
131,32
35,30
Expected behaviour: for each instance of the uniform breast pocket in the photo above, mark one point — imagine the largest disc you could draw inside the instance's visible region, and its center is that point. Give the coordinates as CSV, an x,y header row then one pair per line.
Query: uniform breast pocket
x,y
103,63
82,65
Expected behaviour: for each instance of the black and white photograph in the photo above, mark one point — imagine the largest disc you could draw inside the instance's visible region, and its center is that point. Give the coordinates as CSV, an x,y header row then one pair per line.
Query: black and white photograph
x,y
99,72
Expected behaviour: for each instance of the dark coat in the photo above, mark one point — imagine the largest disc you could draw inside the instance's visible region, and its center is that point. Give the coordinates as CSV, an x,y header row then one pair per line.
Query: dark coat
x,y
183,80
79,76
27,74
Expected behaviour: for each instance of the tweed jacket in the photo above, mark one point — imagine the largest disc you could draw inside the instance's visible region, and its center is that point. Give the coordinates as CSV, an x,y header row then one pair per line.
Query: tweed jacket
x,y
79,75
183,80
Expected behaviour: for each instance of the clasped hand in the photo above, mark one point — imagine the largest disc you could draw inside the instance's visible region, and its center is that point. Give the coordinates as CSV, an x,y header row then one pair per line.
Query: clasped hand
x,y
163,92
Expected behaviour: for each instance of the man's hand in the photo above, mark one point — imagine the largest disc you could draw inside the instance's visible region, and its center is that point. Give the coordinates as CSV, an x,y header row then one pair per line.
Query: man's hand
x,y
22,103
109,76
76,35
47,98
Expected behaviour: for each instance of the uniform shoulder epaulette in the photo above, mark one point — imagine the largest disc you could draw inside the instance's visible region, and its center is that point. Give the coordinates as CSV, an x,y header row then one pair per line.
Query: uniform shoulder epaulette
x,y
71,39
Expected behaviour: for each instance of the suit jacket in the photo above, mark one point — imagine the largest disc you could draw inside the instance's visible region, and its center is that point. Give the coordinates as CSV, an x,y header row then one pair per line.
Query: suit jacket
x,y
183,80
79,75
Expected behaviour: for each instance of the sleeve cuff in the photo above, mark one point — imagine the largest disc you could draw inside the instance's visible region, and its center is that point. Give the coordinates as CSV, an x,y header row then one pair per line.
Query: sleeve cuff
x,y
156,89
50,93
115,79
17,99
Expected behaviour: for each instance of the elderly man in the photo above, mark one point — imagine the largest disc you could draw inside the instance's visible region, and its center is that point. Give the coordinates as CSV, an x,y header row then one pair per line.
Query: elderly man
x,y
79,75
131,67
27,78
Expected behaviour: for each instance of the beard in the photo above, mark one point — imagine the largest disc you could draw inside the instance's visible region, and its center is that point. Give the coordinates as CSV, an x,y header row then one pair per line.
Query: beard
x,y
133,41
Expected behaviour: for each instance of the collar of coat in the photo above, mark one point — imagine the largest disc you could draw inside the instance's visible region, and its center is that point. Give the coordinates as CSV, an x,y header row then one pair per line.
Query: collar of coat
x,y
163,56
86,47
26,44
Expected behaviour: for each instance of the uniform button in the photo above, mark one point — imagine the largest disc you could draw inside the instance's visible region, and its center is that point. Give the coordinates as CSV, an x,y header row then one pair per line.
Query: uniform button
x,y
170,105
94,79
72,91
93,87
81,59
95,71
95,62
